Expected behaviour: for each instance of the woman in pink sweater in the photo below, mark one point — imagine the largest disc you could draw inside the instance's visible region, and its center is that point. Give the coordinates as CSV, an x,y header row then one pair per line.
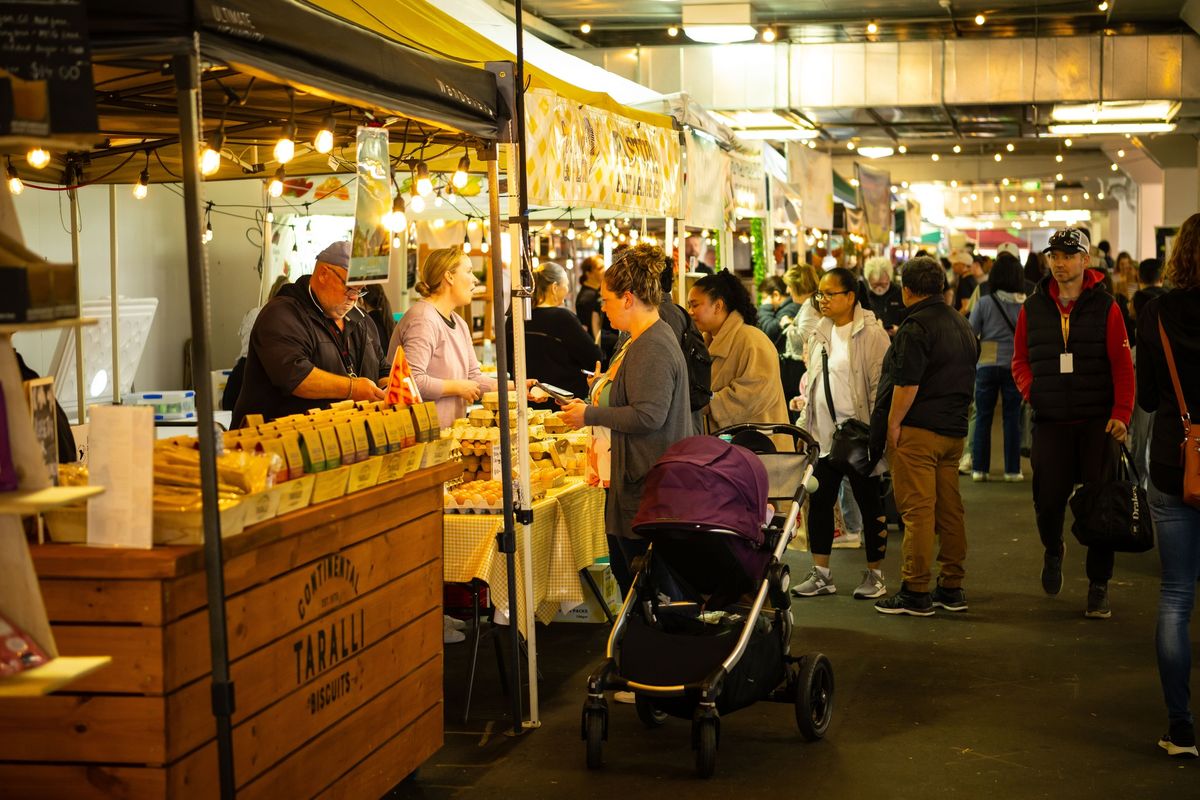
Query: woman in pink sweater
x,y
437,341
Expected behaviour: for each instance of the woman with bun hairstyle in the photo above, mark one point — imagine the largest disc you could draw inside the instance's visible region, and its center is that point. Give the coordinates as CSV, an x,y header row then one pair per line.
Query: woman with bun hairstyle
x,y
557,348
745,364
437,341
642,398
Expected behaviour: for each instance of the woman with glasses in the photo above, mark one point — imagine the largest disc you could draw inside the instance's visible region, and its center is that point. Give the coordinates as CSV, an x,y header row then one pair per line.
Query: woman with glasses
x,y
845,360
745,364
437,341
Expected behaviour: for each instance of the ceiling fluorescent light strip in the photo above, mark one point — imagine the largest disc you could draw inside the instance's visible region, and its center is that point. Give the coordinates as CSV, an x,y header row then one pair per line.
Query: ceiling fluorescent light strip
x,y
1103,128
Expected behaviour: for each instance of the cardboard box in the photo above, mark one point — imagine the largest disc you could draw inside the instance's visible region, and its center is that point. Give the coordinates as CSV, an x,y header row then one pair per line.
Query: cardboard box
x,y
589,610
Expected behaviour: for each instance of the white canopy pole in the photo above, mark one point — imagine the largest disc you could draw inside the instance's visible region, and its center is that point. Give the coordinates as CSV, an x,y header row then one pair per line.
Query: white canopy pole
x,y
523,498
114,314
80,408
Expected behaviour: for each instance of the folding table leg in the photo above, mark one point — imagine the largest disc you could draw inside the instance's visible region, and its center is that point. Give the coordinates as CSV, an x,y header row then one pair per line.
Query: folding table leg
x,y
591,583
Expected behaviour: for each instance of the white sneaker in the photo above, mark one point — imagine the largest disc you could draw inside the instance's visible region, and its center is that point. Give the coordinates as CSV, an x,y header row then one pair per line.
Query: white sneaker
x,y
451,636
872,585
847,541
964,464
453,622
817,583
979,477
1014,477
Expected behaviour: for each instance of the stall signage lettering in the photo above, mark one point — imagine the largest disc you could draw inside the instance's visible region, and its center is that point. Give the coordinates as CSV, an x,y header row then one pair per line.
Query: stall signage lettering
x,y
236,22
329,579
330,692
329,645
45,69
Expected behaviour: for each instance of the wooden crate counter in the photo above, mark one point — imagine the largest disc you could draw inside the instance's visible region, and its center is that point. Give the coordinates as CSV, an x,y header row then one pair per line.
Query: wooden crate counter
x,y
335,629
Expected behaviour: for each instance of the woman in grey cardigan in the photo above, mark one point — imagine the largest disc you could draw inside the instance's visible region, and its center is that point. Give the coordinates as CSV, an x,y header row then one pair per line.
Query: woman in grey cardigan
x,y
642,399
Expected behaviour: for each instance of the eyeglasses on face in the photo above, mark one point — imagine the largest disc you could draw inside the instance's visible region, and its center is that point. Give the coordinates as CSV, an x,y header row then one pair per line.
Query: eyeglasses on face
x,y
823,296
351,292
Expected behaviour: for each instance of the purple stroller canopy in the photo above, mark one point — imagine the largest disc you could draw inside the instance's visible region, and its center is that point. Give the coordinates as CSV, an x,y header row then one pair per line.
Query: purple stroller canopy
x,y
705,480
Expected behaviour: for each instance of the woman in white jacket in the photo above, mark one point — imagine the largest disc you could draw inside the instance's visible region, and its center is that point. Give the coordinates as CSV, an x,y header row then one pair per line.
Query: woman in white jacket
x,y
848,345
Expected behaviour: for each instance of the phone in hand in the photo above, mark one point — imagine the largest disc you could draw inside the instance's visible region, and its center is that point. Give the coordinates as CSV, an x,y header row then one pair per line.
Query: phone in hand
x,y
561,395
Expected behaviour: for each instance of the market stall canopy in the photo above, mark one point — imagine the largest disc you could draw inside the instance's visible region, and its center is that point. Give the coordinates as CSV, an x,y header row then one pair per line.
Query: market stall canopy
x,y
269,63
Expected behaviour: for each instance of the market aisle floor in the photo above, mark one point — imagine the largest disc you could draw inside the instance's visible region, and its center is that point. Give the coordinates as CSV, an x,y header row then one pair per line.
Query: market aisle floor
x,y
1019,697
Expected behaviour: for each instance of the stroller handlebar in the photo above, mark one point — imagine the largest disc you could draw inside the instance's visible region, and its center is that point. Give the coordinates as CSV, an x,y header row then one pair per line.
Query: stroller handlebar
x,y
773,429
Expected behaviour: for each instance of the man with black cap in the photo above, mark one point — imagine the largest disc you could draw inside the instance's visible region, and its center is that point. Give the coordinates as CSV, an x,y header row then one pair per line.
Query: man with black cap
x,y
1072,363
311,346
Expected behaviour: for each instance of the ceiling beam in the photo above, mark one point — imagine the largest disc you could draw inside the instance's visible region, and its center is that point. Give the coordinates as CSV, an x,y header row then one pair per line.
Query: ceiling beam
x,y
537,24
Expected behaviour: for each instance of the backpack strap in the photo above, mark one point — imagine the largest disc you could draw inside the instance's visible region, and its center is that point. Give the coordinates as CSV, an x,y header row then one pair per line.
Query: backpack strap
x,y
1166,343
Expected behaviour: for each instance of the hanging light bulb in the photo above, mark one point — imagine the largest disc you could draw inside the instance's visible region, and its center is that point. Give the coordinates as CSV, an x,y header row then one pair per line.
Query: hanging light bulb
x,y
1120,154
1099,195
935,157
437,200
1067,142
484,246
472,223
812,144
998,157
142,186
954,184
1010,147
1087,195
1012,198
571,234
37,158
14,180
285,148
416,202
591,222
1114,167
396,242
1005,182
980,19
1059,158
424,184
872,27
957,148
672,31
461,177
208,233
768,35
466,244
396,220
275,187
210,157
323,141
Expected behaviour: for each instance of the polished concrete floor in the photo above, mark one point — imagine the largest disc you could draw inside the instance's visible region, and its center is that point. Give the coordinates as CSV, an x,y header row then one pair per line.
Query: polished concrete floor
x,y
1019,697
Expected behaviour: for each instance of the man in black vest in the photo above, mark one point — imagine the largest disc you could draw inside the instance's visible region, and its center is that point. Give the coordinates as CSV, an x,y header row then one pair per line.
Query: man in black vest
x,y
1071,362
926,386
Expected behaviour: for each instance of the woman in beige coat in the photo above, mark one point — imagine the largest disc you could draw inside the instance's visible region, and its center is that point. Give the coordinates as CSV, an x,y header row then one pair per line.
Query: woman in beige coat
x,y
745,364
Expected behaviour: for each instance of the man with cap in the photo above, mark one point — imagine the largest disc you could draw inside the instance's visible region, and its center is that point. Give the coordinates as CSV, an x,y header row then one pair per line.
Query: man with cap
x,y
962,262
312,346
1072,363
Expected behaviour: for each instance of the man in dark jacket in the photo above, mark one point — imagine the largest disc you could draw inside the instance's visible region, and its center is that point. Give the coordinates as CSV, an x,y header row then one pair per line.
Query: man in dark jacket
x,y
927,385
311,346
1071,362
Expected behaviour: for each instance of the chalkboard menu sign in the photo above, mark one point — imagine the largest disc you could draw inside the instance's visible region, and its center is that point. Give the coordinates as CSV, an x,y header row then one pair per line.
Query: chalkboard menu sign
x,y
45,69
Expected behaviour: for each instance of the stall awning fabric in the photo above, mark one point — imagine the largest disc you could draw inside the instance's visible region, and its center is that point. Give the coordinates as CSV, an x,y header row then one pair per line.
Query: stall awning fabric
x,y
421,26
324,53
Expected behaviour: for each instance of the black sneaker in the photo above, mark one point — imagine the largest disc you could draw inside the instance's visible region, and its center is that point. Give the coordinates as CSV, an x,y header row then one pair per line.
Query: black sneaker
x,y
1052,570
917,604
1097,606
950,599
1180,741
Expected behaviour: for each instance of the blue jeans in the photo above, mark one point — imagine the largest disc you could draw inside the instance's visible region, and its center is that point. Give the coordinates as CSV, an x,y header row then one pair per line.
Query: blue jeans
x,y
991,381
1178,528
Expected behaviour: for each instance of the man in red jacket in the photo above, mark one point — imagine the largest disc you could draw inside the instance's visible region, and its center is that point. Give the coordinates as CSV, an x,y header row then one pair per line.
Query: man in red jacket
x,y
1071,362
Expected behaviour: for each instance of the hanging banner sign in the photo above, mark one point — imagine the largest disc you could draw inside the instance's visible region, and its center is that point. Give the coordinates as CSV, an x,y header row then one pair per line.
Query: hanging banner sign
x,y
811,171
707,177
912,220
785,204
875,199
371,244
747,183
580,156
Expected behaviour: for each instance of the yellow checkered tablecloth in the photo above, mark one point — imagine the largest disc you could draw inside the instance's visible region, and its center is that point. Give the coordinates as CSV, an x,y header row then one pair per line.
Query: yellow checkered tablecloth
x,y
568,535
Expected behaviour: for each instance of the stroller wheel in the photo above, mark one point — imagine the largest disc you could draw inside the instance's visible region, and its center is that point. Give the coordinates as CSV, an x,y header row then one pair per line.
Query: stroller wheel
x,y
650,716
814,696
593,732
706,747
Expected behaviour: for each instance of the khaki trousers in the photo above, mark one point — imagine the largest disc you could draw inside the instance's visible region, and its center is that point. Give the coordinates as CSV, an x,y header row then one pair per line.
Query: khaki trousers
x,y
925,481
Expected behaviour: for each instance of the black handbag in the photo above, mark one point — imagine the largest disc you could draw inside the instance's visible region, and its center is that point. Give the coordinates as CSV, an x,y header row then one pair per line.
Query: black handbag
x,y
1114,514
850,449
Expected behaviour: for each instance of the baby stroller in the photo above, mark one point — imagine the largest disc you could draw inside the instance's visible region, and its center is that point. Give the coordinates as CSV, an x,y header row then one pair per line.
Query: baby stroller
x,y
696,637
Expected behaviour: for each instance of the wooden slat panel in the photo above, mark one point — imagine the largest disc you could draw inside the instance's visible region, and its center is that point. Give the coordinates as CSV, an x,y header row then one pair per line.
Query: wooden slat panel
x,y
137,653
125,601
324,760
392,762
90,728
268,612
259,566
82,782
72,561
276,677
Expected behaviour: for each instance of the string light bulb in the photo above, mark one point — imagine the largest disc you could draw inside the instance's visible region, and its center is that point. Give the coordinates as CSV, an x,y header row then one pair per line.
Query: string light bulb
x,y
1103,6
902,149
37,158
424,184
1010,147
768,35
1120,154
1058,176
208,232
396,220
1058,158
466,245
323,141
957,149
585,28
275,187
673,31
1005,182
850,145
872,27
935,157
484,246
210,157
571,234
142,186
460,176
1067,143
980,19
15,186
285,148
998,157
416,202
1114,167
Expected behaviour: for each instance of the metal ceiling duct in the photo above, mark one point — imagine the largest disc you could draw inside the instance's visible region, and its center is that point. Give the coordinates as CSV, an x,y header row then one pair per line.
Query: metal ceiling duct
x,y
921,73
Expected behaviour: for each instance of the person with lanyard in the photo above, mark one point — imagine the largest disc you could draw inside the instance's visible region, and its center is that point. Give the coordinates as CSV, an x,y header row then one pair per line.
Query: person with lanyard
x,y
311,346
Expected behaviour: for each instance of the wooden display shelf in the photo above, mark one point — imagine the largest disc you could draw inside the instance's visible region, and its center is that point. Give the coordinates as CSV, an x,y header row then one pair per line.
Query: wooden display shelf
x,y
51,676
45,325
34,501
